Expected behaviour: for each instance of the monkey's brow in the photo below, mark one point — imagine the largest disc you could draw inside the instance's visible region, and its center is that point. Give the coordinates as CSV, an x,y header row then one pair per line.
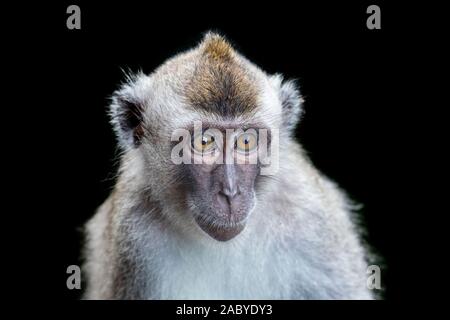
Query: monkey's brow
x,y
224,127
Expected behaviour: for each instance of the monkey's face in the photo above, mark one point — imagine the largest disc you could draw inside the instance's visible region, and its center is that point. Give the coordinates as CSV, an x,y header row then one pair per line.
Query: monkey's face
x,y
212,84
221,185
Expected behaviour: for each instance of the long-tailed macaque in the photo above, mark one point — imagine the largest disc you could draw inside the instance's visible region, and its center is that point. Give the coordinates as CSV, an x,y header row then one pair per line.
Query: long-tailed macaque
x,y
218,227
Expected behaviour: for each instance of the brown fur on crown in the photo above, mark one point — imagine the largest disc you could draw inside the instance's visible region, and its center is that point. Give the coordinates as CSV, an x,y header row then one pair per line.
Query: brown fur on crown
x,y
220,84
217,48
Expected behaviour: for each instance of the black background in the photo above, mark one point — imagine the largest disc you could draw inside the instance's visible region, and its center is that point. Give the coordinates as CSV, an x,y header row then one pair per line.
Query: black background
x,y
354,126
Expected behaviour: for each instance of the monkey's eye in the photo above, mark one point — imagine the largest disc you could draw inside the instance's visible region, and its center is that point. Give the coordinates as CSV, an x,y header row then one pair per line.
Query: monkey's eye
x,y
246,142
204,143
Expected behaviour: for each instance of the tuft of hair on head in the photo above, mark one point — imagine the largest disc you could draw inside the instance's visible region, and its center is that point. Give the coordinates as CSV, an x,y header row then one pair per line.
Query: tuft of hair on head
x,y
220,83
216,47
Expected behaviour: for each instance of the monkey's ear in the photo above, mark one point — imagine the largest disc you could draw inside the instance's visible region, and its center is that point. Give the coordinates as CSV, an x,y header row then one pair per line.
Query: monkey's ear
x,y
291,102
127,116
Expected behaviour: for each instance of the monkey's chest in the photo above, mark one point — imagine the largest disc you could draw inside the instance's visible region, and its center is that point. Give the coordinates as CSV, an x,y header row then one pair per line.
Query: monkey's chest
x,y
222,275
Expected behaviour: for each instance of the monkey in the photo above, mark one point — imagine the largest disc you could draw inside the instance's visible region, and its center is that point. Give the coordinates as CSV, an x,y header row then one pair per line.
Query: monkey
x,y
218,230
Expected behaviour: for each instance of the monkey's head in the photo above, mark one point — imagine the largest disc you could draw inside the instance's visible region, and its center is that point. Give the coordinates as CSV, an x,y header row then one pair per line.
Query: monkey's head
x,y
198,129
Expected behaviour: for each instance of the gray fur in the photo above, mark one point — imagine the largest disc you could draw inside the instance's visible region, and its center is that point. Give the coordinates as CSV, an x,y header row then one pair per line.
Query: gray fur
x,y
143,243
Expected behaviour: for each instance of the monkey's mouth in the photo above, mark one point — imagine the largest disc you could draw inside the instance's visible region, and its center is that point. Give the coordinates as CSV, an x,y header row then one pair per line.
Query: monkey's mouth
x,y
222,232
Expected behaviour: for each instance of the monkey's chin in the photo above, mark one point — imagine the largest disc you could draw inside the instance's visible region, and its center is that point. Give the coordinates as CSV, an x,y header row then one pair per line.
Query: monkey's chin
x,y
221,233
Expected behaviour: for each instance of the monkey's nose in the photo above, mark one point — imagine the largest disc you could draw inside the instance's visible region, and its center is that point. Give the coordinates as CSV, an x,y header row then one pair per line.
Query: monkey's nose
x,y
227,200
230,193
229,186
